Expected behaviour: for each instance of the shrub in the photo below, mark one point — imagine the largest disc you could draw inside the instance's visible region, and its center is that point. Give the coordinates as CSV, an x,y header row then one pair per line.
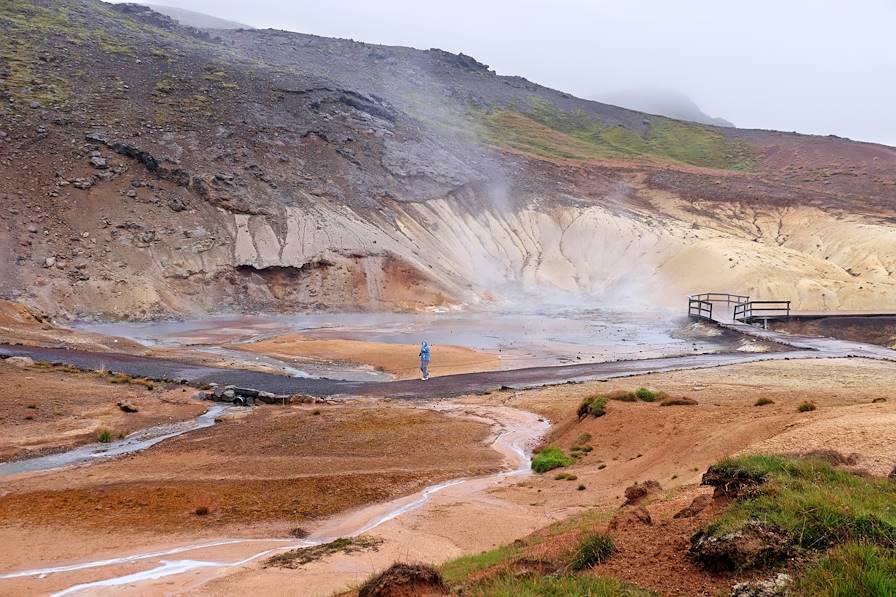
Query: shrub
x,y
104,436
678,402
805,407
201,511
598,406
649,395
592,405
580,488
623,396
593,549
565,477
764,401
601,466
584,405
550,458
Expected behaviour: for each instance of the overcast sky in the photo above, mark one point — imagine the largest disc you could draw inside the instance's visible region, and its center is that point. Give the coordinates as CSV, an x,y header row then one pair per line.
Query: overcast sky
x,y
812,66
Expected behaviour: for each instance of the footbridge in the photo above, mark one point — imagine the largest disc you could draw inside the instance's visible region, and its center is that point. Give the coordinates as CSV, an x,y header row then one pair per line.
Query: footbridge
x,y
740,313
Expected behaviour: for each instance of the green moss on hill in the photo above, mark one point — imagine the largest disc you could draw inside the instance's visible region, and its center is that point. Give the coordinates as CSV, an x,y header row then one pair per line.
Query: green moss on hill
x,y
544,130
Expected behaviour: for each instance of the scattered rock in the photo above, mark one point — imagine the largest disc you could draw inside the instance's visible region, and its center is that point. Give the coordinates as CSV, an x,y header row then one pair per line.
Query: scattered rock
x,y
636,493
131,193
32,228
99,162
20,362
753,546
128,408
771,587
698,505
404,580
49,262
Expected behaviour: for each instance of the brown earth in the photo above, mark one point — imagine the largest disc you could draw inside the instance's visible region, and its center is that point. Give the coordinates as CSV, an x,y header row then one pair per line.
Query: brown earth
x,y
275,469
401,360
50,409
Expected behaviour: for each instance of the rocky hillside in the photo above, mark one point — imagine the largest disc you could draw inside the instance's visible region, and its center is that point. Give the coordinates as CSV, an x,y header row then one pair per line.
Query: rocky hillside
x,y
151,169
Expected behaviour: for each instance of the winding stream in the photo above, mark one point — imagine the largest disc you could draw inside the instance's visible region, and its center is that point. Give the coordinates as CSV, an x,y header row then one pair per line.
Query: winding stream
x,y
516,432
135,442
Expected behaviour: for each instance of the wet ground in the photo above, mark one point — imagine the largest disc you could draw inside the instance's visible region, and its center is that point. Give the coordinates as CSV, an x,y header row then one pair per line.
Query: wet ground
x,y
537,338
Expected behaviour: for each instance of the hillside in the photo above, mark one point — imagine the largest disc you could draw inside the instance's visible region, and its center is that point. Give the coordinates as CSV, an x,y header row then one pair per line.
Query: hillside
x,y
151,169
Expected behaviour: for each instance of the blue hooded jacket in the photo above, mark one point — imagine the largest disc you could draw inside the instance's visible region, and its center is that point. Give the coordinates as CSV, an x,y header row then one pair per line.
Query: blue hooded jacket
x,y
424,351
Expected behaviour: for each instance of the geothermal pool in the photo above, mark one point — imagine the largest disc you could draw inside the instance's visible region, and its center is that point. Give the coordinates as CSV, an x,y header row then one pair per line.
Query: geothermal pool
x,y
535,338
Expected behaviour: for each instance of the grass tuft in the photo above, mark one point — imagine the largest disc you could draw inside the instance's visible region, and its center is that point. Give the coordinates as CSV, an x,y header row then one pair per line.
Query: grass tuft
x,y
806,406
851,569
592,549
550,458
648,395
104,436
764,401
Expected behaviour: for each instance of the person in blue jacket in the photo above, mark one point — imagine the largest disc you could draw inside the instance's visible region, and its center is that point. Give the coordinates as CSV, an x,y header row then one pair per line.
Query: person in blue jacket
x,y
424,361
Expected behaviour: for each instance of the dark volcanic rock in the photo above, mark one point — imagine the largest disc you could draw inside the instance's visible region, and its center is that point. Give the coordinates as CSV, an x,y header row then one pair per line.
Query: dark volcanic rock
x,y
754,546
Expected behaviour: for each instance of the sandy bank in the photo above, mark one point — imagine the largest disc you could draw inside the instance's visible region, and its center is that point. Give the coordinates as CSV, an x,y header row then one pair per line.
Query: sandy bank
x,y
400,360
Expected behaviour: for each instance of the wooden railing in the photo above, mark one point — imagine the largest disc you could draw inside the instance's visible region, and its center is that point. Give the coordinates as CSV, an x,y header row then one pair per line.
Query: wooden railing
x,y
753,310
700,305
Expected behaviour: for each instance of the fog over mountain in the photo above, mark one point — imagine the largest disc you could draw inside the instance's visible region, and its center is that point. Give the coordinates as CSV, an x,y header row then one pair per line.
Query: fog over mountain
x,y
810,67
665,102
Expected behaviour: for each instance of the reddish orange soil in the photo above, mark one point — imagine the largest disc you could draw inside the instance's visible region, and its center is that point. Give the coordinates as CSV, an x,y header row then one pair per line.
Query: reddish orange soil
x,y
276,465
50,409
399,359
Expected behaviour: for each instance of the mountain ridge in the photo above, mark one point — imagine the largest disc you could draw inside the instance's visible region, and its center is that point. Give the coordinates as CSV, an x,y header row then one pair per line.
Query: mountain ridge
x,y
261,169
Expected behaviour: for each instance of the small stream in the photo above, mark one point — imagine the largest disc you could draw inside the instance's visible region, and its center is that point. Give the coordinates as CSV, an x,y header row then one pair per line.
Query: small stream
x,y
135,442
518,432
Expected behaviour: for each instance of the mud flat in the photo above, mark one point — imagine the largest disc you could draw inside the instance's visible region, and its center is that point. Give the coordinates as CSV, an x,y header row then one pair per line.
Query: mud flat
x,y
46,410
295,468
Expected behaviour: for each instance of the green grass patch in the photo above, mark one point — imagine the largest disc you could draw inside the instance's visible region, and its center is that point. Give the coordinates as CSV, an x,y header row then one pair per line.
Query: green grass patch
x,y
593,549
816,504
550,458
647,395
544,130
509,585
851,570
806,406
764,401
457,570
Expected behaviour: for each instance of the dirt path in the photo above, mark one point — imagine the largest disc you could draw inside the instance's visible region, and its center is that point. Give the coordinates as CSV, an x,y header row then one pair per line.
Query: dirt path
x,y
450,385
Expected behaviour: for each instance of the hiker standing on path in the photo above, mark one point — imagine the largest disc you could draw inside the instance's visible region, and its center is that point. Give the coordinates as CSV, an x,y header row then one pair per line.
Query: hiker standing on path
x,y
424,361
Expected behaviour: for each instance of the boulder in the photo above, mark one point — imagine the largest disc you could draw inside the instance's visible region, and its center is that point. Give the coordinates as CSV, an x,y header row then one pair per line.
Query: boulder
x,y
753,546
728,483
697,506
636,493
403,580
777,586
99,162
128,408
20,362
